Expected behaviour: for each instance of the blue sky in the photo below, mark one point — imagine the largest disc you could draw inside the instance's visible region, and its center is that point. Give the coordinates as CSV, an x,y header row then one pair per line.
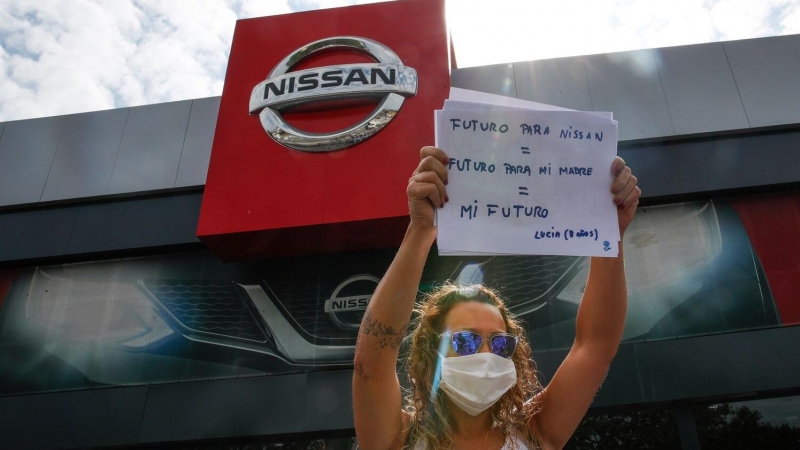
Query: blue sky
x,y
69,56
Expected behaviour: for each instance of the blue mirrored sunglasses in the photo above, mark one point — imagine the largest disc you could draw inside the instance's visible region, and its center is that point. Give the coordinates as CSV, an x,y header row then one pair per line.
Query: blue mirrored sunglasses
x,y
469,342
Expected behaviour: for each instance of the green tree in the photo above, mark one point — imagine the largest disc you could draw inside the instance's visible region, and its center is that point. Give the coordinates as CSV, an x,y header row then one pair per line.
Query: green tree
x,y
719,427
733,428
652,429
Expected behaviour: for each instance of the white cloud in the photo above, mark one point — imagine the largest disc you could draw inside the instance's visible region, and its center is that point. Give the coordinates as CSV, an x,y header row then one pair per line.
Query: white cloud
x,y
67,56
258,8
307,5
60,57
791,21
511,30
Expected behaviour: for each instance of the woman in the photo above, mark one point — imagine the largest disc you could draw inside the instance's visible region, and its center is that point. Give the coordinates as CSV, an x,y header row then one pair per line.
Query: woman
x,y
481,393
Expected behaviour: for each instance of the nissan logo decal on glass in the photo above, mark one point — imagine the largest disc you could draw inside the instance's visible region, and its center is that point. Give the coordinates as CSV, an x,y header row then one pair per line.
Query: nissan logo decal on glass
x,y
387,79
350,299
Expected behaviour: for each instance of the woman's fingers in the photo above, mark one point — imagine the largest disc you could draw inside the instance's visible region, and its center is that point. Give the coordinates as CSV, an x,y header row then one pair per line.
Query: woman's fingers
x,y
428,184
433,159
632,198
630,186
621,181
422,192
431,164
624,187
436,153
617,165
430,177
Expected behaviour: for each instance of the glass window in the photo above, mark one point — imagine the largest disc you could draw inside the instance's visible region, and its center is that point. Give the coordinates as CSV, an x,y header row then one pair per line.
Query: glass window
x,y
772,423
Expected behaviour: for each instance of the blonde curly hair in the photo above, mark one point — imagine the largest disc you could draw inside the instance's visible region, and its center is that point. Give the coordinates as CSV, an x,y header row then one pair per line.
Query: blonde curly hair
x,y
430,422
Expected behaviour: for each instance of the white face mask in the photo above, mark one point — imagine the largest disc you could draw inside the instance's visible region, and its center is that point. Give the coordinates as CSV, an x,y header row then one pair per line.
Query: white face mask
x,y
476,382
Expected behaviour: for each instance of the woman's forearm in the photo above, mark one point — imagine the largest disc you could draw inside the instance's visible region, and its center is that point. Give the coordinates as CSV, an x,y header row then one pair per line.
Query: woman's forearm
x,y
601,315
386,319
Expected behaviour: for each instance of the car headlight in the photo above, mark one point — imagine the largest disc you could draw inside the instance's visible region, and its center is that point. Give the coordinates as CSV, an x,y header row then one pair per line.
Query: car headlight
x,y
664,243
107,312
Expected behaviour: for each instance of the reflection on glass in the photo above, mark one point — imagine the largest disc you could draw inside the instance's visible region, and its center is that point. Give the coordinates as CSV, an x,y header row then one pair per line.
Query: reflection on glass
x,y
690,269
667,242
772,423
328,443
653,429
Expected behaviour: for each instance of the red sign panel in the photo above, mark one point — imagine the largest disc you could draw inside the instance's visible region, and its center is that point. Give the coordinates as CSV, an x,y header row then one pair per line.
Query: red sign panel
x,y
772,223
263,199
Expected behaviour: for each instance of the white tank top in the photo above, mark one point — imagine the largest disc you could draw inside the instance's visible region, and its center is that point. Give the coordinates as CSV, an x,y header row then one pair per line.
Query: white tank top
x,y
512,438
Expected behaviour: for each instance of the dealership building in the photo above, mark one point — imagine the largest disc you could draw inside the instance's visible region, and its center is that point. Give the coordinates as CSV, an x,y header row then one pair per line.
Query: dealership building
x,y
193,274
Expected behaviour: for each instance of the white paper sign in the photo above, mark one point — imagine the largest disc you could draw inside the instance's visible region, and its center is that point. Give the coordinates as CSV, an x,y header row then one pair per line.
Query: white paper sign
x,y
527,182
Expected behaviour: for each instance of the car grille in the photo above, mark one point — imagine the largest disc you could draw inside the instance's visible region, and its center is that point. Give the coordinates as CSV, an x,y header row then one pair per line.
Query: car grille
x,y
214,308
303,298
304,303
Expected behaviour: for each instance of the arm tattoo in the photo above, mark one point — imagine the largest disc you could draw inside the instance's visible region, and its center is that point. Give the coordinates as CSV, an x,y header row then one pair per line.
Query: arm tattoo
x,y
387,336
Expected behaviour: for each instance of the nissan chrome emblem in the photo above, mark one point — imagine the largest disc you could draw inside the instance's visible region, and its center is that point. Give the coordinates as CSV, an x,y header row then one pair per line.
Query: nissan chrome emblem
x,y
349,300
323,87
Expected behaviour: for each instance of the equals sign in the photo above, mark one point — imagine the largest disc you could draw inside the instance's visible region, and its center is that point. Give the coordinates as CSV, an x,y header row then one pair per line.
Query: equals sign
x,y
526,150
523,190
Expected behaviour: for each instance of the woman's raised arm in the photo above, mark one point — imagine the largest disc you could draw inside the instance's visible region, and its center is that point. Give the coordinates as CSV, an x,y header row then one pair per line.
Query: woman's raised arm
x,y
377,401
599,327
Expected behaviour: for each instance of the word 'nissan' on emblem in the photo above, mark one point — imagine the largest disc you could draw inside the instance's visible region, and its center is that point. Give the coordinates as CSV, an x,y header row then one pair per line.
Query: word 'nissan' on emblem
x,y
350,299
333,86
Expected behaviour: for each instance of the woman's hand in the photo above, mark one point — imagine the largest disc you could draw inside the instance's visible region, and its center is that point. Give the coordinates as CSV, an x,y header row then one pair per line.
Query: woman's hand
x,y
626,193
426,188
